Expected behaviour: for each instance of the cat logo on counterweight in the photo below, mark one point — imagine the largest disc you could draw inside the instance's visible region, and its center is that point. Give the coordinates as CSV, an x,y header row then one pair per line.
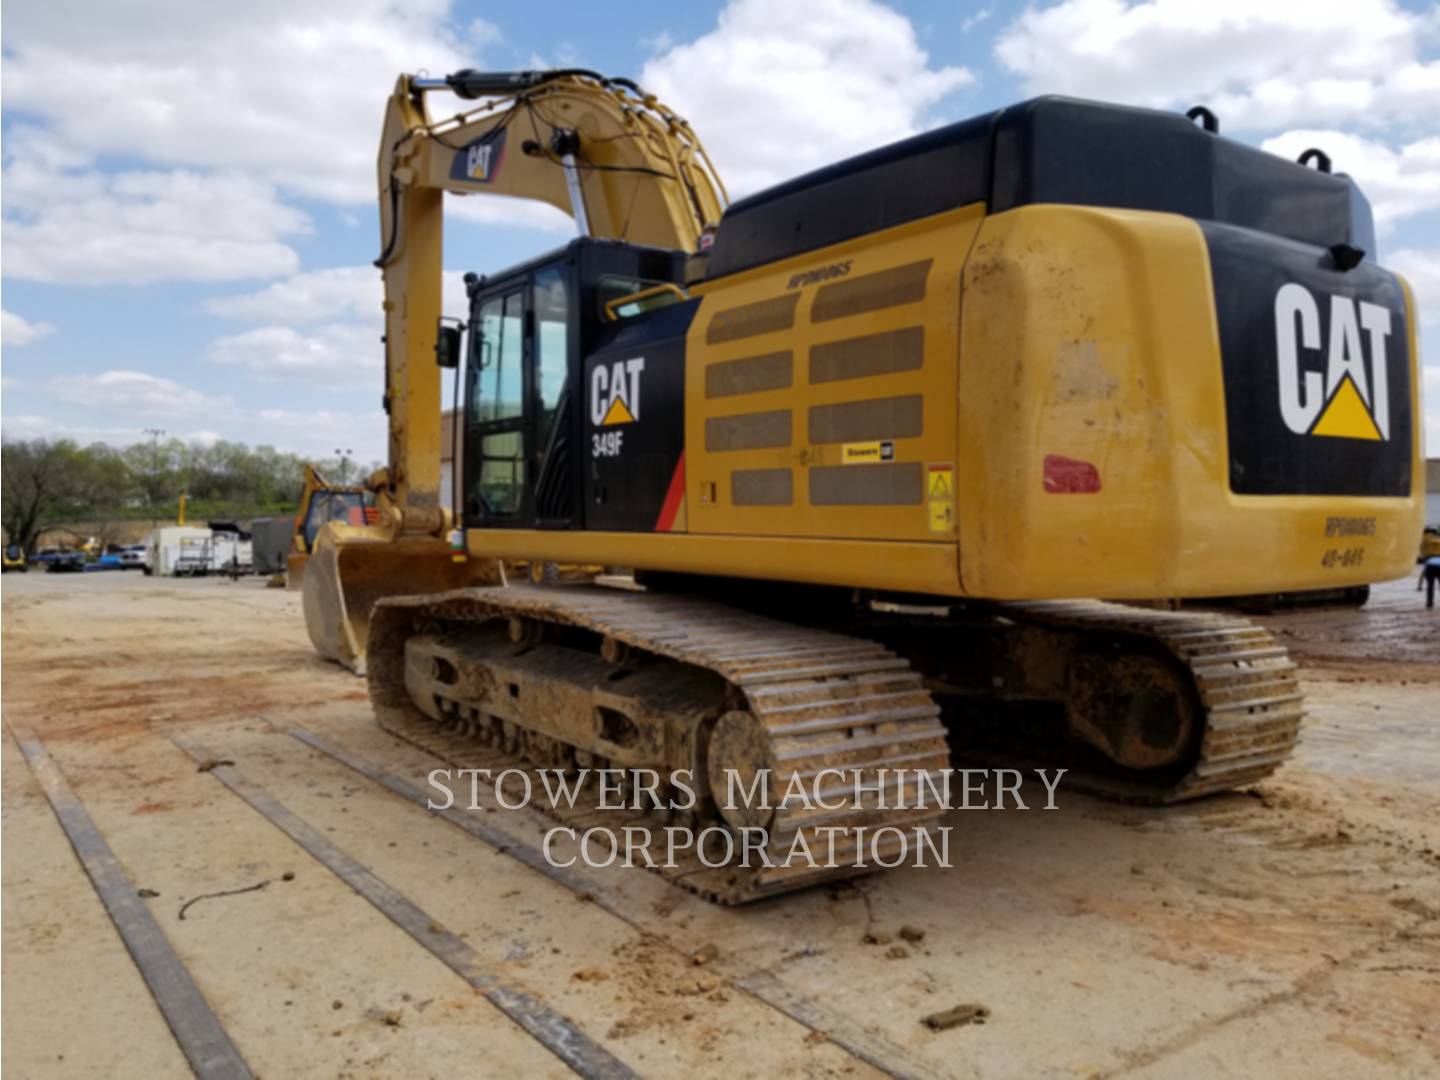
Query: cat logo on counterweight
x,y
1329,384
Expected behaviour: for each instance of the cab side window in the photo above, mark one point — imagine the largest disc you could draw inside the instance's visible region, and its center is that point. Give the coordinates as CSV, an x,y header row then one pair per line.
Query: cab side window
x,y
552,329
497,403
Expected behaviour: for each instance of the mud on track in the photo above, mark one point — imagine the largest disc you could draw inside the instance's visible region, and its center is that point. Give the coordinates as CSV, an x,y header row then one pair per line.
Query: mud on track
x,y
1292,929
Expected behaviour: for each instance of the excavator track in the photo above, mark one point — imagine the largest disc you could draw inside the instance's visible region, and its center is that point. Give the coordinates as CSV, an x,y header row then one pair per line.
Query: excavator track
x,y
819,700
825,700
1247,686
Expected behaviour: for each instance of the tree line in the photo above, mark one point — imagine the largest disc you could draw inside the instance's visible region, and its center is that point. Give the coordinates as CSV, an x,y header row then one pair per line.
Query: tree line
x,y
51,483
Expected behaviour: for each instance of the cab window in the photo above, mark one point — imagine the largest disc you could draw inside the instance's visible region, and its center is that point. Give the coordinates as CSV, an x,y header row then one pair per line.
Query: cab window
x,y
552,330
614,286
499,387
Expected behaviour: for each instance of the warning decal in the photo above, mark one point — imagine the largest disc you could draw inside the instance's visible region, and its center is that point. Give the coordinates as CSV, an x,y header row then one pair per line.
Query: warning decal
x,y
940,497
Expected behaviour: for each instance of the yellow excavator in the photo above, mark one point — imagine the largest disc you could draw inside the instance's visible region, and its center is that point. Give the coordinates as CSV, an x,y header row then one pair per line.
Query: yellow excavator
x,y
863,443
321,502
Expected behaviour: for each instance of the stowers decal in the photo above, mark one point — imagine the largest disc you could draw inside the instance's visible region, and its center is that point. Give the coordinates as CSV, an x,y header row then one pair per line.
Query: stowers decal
x,y
1350,398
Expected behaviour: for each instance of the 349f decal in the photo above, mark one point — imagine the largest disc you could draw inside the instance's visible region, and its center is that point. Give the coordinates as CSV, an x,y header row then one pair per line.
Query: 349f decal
x,y
614,401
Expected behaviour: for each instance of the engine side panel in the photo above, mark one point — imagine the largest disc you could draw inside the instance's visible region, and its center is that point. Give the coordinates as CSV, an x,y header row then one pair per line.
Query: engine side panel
x,y
821,390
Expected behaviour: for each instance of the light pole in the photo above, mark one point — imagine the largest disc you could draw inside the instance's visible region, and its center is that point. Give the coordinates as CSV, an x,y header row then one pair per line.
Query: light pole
x,y
154,434
344,464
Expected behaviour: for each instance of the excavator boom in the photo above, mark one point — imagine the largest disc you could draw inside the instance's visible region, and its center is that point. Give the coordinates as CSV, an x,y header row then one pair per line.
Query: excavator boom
x,y
620,163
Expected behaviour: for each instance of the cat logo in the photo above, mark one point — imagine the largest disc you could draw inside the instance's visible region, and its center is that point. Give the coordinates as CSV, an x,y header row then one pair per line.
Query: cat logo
x,y
615,392
477,161
480,160
1350,399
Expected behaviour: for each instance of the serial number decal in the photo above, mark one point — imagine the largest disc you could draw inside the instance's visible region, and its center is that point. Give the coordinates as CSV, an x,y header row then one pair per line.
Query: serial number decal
x,y
1336,559
824,273
607,443
1349,526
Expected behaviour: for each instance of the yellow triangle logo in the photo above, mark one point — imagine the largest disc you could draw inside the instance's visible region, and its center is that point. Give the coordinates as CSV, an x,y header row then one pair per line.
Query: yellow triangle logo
x,y
1346,416
617,414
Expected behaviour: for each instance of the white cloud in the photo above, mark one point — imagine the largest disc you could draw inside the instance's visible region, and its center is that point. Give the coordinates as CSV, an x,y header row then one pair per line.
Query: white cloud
x,y
972,21
135,393
232,108
16,330
1422,270
68,223
1421,267
776,89
315,296
321,324
316,433
35,426
291,93
116,406
310,297
501,211
1399,183
328,351
482,32
313,434
1259,66
24,426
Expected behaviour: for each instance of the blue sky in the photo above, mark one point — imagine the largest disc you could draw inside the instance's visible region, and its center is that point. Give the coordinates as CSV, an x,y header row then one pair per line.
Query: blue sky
x,y
189,189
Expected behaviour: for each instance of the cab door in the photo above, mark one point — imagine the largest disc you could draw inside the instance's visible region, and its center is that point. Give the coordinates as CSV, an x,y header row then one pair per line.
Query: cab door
x,y
515,381
495,412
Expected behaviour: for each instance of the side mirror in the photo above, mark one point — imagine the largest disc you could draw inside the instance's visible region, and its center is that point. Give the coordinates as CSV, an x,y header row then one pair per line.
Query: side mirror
x,y
449,341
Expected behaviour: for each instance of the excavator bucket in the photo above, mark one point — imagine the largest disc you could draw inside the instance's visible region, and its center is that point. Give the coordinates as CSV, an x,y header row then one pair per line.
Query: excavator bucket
x,y
344,578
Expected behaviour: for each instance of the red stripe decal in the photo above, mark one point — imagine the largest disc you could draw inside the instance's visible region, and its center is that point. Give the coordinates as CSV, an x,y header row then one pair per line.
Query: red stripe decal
x,y
673,495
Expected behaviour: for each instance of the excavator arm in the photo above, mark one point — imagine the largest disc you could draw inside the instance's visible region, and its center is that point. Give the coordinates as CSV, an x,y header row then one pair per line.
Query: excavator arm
x,y
614,158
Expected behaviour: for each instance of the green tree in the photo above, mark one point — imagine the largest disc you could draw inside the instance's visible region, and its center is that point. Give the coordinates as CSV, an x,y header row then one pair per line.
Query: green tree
x,y
155,475
47,483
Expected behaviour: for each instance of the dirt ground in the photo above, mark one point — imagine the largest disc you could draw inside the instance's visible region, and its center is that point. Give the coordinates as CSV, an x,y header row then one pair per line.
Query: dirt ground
x,y
1290,930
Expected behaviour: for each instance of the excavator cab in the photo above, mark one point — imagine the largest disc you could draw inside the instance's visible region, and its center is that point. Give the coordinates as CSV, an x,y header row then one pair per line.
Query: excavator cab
x,y
321,502
526,401
534,338
345,505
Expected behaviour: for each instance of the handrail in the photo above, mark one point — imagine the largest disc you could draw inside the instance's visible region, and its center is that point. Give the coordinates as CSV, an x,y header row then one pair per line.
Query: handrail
x,y
643,294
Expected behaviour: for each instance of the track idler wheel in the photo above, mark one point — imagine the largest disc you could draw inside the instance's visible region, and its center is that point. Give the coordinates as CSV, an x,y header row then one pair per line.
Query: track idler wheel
x,y
1140,711
740,747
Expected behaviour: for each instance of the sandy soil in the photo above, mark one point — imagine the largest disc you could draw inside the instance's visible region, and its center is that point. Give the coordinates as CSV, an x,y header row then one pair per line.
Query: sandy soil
x,y
1293,929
